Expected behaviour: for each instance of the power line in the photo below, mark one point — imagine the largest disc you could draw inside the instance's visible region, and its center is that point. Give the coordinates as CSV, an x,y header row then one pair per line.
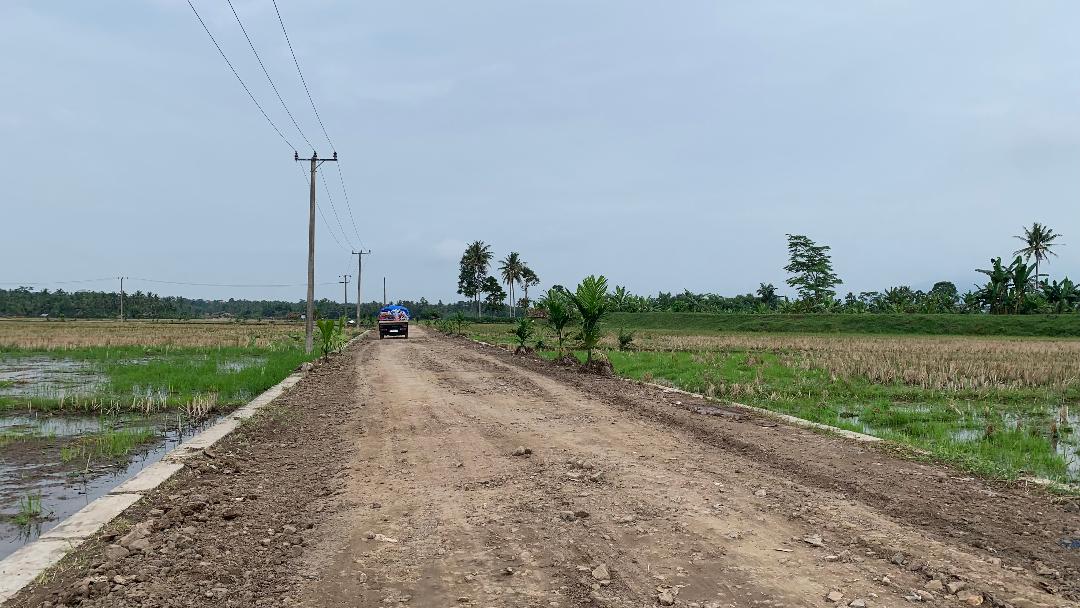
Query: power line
x,y
329,229
237,74
145,280
31,283
333,208
303,81
301,73
225,284
348,205
267,73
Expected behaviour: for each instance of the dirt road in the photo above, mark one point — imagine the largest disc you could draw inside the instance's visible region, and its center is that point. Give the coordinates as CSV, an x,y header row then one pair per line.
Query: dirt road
x,y
389,477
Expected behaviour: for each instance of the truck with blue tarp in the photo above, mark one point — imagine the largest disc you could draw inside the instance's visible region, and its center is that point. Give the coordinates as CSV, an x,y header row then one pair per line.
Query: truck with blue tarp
x,y
394,321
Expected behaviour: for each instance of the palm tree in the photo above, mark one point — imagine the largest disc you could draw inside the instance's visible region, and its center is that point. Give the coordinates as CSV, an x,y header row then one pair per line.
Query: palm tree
x,y
559,314
475,263
510,270
592,301
1039,244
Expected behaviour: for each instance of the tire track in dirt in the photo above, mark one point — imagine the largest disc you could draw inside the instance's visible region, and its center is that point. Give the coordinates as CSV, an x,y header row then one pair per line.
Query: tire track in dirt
x,y
666,510
387,479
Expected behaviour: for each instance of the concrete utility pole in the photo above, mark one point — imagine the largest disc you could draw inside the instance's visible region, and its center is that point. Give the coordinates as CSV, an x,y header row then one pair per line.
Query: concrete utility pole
x,y
359,277
121,298
384,291
346,283
309,318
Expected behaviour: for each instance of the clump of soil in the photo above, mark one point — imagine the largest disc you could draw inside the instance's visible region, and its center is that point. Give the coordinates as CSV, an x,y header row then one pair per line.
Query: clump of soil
x,y
599,366
568,361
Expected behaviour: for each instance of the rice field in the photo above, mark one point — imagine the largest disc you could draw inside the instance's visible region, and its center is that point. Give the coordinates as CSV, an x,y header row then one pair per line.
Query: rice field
x,y
1001,407
60,335
86,404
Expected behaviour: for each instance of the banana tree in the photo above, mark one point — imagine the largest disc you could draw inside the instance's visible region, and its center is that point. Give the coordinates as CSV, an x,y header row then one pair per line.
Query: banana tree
x,y
995,294
1022,276
1062,296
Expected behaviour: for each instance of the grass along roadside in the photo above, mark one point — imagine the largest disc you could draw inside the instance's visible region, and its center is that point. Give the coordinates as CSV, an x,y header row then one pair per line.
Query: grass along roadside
x,y
1000,407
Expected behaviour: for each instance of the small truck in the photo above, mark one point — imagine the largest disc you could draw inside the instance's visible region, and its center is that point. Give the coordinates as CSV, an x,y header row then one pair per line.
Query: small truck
x,y
394,321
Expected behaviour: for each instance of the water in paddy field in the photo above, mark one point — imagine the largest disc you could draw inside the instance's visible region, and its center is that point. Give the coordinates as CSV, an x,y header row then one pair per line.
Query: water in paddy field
x,y
48,377
1067,443
30,465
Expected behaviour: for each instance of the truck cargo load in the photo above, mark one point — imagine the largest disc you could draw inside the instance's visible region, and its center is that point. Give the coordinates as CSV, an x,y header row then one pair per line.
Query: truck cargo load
x,y
394,321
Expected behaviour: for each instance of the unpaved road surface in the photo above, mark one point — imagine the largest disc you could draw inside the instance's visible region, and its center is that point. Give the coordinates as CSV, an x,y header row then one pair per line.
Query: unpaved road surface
x,y
388,477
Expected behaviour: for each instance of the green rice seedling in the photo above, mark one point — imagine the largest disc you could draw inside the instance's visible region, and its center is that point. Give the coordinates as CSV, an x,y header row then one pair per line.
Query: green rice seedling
x,y
109,443
29,509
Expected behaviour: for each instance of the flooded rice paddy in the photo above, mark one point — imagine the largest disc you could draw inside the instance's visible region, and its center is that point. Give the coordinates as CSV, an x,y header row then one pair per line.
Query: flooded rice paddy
x,y
1059,428
56,457
32,464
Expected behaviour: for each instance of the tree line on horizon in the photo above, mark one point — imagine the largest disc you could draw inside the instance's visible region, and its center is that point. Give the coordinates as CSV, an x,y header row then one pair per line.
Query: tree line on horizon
x,y
1017,287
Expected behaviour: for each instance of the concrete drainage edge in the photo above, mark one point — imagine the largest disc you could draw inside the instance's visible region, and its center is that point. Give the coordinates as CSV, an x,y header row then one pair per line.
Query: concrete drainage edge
x,y
802,422
24,565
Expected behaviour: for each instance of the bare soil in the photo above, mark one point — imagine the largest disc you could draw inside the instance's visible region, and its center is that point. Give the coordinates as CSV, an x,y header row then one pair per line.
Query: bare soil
x,y
436,472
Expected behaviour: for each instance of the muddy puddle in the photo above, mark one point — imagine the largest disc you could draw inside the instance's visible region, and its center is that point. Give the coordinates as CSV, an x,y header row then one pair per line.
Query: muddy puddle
x,y
32,465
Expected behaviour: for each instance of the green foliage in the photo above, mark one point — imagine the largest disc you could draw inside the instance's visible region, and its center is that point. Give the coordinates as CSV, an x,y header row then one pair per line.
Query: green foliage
x,y
1062,297
559,314
768,295
985,439
1009,288
30,509
495,294
473,270
528,279
511,270
811,272
907,324
1039,244
454,326
626,339
109,442
524,331
151,379
331,335
593,303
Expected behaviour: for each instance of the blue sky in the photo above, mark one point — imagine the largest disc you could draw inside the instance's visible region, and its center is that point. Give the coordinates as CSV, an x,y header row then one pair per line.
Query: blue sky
x,y
666,145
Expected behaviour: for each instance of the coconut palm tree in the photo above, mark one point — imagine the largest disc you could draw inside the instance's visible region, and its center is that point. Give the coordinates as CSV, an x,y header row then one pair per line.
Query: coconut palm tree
x,y
1039,244
474,268
510,270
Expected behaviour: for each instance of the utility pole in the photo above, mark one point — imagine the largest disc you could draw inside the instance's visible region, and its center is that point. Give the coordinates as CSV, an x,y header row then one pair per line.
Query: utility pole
x,y
359,277
309,318
346,283
384,291
121,298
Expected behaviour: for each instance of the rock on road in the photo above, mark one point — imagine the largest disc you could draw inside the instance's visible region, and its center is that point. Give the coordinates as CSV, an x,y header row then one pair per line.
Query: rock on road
x,y
435,472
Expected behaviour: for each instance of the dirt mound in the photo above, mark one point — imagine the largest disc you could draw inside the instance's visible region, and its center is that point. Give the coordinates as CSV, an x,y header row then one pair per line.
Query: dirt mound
x,y
599,366
568,361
